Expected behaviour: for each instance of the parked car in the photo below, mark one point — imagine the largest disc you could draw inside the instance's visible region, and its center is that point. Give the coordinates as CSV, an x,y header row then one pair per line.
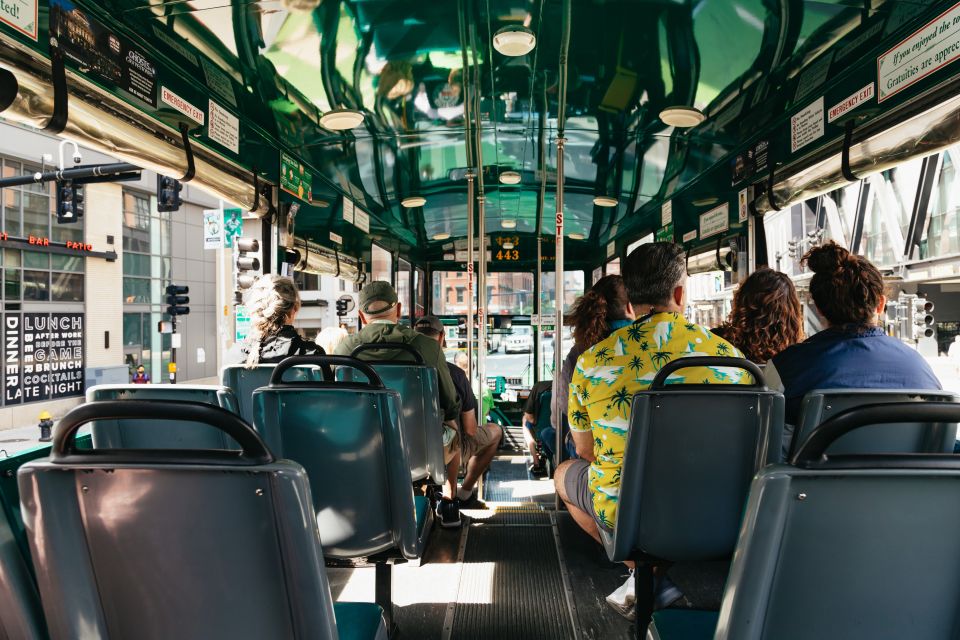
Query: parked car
x,y
519,341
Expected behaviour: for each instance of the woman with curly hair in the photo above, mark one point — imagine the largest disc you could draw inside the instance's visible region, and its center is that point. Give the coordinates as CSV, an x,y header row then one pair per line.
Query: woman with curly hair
x,y
273,302
766,316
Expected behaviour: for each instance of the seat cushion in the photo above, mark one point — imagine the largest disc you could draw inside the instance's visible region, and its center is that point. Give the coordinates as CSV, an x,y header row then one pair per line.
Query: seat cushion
x,y
684,624
359,620
421,505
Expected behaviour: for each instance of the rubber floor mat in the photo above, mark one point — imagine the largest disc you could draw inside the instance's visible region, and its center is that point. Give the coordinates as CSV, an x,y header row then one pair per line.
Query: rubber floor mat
x,y
511,586
509,481
504,516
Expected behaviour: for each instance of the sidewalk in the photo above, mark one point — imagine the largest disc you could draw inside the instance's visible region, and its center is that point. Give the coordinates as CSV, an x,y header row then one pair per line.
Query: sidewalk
x,y
19,439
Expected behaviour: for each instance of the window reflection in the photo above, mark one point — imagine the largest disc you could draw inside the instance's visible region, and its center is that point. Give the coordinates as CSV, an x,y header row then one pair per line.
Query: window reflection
x,y
942,236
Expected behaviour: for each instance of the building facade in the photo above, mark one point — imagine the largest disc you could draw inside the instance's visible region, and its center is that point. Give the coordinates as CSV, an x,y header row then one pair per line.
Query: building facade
x,y
81,301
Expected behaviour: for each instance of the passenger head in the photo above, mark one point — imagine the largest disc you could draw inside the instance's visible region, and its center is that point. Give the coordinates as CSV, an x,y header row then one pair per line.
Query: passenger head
x,y
766,316
592,313
378,301
330,337
847,288
655,275
461,359
272,302
431,327
140,368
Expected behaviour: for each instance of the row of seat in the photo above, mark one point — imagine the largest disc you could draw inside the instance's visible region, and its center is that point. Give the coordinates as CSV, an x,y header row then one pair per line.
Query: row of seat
x,y
347,437
869,478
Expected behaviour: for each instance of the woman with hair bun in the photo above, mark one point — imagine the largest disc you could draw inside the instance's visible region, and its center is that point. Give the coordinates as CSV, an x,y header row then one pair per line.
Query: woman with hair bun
x,y
853,352
766,316
273,302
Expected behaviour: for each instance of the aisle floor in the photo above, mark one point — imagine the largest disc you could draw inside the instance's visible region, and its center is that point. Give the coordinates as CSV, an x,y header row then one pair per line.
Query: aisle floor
x,y
517,569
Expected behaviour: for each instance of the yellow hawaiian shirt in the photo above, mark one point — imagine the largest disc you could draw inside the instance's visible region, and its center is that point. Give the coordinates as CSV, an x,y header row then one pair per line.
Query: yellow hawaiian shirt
x,y
611,372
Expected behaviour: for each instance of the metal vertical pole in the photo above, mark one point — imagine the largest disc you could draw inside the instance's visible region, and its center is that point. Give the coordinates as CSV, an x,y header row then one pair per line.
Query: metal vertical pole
x,y
561,122
470,262
481,220
558,322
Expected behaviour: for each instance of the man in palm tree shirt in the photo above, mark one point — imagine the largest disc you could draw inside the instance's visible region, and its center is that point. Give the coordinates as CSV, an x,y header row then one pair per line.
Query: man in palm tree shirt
x,y
612,371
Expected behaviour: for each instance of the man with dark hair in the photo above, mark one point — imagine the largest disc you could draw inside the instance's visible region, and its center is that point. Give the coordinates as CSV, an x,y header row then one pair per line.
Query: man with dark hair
x,y
612,371
478,442
380,312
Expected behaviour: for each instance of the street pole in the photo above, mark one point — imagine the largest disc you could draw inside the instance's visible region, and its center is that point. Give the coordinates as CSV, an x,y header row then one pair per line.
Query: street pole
x,y
173,353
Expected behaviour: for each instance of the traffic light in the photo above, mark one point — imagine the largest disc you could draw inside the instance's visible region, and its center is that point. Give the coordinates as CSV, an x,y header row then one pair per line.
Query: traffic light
x,y
69,202
248,261
168,194
922,318
176,299
341,307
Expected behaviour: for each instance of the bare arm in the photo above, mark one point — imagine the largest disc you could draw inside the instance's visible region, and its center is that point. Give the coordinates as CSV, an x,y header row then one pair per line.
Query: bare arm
x,y
469,421
583,440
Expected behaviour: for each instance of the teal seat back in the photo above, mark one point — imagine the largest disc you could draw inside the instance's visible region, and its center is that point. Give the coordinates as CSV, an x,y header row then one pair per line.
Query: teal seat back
x,y
421,421
244,381
690,455
174,544
20,613
154,434
858,547
543,410
912,437
347,435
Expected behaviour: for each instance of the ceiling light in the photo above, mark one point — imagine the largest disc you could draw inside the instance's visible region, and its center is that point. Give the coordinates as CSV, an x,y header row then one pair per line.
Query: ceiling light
x,y
509,177
300,6
341,119
706,202
508,245
441,236
575,236
413,201
605,201
682,117
508,224
514,40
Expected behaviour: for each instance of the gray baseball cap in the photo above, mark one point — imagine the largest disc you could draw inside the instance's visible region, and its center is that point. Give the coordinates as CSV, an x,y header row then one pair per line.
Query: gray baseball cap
x,y
378,291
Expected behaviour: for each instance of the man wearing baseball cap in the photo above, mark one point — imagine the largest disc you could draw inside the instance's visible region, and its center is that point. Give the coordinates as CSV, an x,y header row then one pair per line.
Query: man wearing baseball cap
x,y
380,312
478,442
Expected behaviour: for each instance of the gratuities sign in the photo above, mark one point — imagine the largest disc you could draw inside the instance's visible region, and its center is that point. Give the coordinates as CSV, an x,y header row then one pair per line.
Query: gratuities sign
x,y
926,51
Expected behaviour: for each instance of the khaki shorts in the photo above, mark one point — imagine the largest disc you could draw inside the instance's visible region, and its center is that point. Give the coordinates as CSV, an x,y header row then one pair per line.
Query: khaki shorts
x,y
468,446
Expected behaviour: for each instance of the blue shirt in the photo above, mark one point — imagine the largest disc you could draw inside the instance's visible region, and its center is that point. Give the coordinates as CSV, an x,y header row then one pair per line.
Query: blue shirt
x,y
849,358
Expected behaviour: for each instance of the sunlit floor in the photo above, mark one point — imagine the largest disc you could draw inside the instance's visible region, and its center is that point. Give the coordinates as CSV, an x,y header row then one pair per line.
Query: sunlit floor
x,y
501,576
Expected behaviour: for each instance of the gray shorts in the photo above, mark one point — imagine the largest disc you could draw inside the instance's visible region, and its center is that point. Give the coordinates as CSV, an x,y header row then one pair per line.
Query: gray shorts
x,y
576,484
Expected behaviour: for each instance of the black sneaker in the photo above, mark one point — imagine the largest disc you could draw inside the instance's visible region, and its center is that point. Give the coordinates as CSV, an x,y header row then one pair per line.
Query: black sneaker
x,y
448,513
538,470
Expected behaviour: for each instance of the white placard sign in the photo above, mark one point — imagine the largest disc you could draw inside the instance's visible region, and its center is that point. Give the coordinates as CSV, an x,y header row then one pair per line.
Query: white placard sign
x,y
845,106
336,237
348,210
212,229
743,205
926,51
191,111
362,219
715,221
224,128
690,236
807,125
666,213
21,15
